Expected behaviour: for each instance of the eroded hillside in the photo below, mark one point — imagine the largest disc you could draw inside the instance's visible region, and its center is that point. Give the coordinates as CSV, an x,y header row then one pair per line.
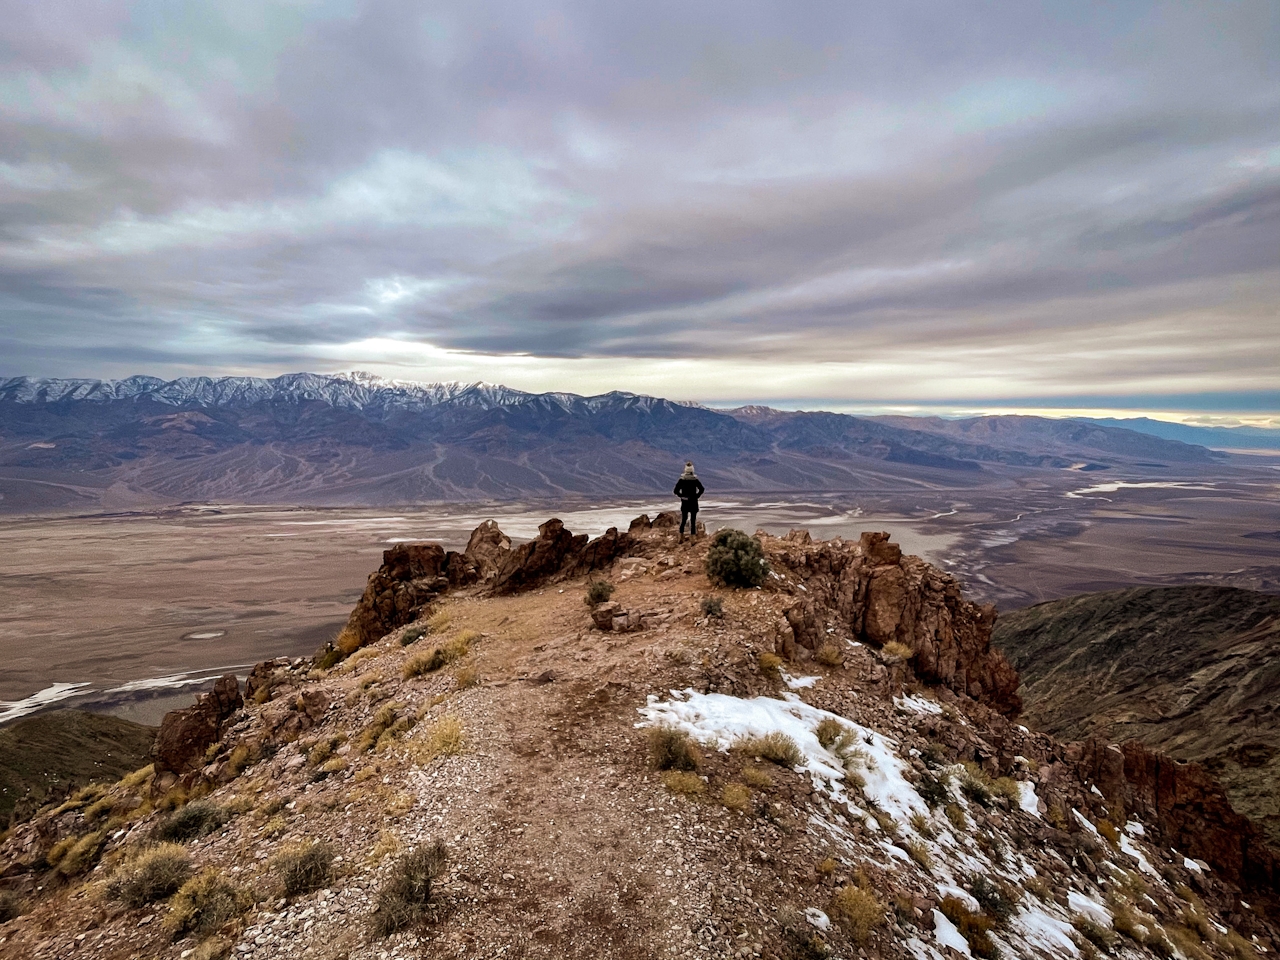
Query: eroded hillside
x,y
484,765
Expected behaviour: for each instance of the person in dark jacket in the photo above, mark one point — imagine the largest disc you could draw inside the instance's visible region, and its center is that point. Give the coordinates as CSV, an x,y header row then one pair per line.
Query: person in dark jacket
x,y
689,488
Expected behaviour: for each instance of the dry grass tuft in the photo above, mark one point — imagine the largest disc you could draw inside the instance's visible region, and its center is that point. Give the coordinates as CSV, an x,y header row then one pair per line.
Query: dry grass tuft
x,y
896,652
466,677
975,927
405,895
671,749
347,641
829,732
150,874
829,655
770,665
776,747
735,796
439,656
858,912
304,868
73,855
444,738
684,783
205,903
756,777
191,822
918,852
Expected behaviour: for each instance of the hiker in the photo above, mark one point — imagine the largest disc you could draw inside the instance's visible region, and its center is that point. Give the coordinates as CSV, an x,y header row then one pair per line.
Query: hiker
x,y
689,488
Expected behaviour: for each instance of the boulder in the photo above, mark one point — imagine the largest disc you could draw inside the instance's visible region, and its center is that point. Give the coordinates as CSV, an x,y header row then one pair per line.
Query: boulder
x,y
666,520
602,614
487,549
185,735
640,524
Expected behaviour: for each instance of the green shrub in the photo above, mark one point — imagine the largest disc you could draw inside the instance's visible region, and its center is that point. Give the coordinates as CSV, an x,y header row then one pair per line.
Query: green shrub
x,y
991,897
736,560
328,656
303,869
712,607
598,591
406,893
932,790
191,822
151,874
205,903
671,749
412,635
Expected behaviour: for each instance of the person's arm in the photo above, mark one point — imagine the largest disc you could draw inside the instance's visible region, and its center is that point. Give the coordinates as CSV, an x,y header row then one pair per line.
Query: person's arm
x,y
701,489
676,491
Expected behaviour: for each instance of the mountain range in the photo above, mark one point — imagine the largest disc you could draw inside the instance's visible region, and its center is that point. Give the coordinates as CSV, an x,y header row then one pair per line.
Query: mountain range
x,y
358,439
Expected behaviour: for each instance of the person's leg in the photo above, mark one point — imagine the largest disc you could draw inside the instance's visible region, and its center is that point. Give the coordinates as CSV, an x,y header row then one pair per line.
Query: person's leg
x,y
693,521
684,517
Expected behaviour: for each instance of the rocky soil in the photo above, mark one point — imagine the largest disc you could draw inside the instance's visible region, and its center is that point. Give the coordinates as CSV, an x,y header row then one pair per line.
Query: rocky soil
x,y
860,784
1191,671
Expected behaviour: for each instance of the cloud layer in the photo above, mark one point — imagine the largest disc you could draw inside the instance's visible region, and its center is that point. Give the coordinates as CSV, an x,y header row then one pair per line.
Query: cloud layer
x,y
915,201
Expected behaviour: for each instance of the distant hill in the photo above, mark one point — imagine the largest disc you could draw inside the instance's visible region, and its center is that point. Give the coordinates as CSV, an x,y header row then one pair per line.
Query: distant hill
x,y
358,439
1190,671
1221,438
51,754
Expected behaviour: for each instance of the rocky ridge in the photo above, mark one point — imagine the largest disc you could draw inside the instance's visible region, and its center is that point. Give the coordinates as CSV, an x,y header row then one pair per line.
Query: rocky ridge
x,y
495,712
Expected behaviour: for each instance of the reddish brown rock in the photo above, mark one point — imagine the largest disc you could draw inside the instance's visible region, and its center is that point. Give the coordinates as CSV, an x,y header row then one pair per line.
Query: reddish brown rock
x,y
185,735
487,549
541,558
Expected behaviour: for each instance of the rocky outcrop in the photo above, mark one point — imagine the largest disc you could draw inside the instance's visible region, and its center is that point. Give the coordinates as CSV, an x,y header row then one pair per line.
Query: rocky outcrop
x,y
186,734
874,594
1189,808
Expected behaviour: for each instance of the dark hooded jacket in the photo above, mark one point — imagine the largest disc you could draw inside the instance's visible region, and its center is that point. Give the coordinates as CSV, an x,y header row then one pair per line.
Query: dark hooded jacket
x,y
689,489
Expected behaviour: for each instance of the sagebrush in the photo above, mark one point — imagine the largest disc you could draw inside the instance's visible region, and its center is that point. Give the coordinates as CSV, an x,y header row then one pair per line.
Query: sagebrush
x,y
736,560
405,895
150,874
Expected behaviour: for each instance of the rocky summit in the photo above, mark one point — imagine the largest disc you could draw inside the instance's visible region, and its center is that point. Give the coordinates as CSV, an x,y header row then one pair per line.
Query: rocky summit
x,y
828,763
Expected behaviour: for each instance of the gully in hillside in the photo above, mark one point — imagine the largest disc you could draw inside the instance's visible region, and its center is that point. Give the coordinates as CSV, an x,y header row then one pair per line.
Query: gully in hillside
x,y
689,488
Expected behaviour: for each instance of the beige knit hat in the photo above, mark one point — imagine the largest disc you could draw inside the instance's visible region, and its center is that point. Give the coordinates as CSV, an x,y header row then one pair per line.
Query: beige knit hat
x,y
688,468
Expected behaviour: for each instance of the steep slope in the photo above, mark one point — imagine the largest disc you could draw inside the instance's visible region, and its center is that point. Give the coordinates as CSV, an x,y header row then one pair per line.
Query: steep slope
x,y
49,755
1193,672
647,778
357,439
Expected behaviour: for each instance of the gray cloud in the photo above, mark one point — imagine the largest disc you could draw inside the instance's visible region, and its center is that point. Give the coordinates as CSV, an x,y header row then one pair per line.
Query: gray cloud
x,y
245,187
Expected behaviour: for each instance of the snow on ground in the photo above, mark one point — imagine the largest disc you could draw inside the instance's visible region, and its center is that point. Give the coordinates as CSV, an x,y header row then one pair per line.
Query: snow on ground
x,y
1027,799
798,683
1191,865
1091,908
1039,929
917,704
1136,829
818,919
948,935
1131,848
720,720
921,950
1085,822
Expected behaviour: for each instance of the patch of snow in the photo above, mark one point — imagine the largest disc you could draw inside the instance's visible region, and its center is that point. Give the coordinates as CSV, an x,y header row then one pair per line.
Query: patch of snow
x,y
720,720
921,950
1129,847
1091,908
1023,729
1084,822
818,919
946,933
1027,799
951,890
917,704
1049,933
1095,791
1191,864
1134,828
798,683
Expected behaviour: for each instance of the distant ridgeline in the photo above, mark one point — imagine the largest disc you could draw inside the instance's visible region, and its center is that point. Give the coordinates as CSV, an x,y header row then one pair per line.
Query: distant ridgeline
x,y
356,438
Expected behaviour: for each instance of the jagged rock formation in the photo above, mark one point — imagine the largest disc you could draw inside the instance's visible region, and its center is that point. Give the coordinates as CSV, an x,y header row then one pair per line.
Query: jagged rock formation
x,y
905,819
185,735
880,596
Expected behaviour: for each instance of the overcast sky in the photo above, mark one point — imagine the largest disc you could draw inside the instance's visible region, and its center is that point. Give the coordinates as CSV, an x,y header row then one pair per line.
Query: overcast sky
x,y
1038,203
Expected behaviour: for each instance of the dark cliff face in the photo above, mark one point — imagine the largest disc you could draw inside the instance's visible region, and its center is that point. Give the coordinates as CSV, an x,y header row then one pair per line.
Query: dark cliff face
x,y
1192,672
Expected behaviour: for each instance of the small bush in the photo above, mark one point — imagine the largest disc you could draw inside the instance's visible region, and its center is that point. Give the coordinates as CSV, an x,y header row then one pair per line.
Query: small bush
x,y
735,796
80,854
996,902
598,591
671,749
406,893
439,656
684,783
303,869
466,677
712,607
439,621
921,825
829,731
10,906
150,875
829,655
775,746
347,641
1007,789
412,636
756,778
858,912
974,927
736,560
1109,831
955,814
191,822
895,651
328,657
975,785
918,852
1095,933
932,790
205,903
770,665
